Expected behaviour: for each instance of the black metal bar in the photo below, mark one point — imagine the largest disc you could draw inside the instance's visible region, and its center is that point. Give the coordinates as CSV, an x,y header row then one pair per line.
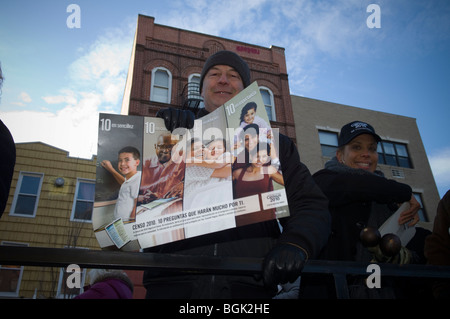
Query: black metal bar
x,y
62,257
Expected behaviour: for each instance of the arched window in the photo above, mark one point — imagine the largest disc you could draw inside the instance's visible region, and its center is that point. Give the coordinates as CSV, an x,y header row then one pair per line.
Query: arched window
x,y
269,103
161,90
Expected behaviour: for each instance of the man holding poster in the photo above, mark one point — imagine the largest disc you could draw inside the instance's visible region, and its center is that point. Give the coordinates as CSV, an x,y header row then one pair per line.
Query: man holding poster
x,y
285,252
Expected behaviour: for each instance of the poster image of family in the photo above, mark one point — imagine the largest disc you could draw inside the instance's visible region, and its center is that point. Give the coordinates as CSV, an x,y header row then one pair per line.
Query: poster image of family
x,y
155,186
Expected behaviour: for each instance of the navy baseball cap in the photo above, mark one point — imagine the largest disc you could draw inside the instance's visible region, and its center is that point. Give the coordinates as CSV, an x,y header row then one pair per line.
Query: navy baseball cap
x,y
351,130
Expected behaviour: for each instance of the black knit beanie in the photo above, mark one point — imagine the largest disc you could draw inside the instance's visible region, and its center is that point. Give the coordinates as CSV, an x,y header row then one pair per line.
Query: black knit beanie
x,y
227,58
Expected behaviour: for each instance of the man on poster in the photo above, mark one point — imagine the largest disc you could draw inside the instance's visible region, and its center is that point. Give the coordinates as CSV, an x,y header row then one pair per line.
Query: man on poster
x,y
161,176
305,231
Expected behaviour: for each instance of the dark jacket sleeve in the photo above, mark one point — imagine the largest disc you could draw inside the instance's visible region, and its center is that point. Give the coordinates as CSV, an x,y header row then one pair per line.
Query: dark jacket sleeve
x,y
309,223
6,165
344,188
437,245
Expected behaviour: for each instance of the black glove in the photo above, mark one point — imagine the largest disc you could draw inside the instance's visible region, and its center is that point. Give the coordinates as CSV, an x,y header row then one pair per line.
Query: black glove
x,y
284,263
174,118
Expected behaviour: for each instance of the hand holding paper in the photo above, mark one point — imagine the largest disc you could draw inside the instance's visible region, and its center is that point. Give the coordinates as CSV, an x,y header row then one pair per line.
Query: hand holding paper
x,y
410,215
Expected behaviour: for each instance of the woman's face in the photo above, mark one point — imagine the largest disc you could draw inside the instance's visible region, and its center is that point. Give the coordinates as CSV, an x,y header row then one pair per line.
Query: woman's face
x,y
361,152
250,141
260,158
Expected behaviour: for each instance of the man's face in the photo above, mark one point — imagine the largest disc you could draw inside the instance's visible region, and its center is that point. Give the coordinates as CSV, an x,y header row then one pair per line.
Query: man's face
x,y
164,147
221,83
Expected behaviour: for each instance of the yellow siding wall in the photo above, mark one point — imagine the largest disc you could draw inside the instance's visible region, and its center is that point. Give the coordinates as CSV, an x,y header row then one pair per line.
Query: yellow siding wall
x,y
51,227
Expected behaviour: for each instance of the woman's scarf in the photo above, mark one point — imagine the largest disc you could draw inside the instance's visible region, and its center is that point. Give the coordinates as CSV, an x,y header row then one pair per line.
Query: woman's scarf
x,y
336,166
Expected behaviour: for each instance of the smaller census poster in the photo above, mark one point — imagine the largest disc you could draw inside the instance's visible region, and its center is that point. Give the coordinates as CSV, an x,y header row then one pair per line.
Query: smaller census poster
x,y
119,151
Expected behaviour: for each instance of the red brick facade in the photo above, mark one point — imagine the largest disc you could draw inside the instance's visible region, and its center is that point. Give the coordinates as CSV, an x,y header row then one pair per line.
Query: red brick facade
x,y
183,53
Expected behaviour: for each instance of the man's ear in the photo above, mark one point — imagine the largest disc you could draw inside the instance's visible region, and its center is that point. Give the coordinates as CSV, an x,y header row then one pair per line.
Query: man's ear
x,y
339,155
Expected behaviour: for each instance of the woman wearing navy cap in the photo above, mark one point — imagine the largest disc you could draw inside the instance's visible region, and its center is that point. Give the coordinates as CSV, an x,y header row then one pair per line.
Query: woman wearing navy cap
x,y
360,196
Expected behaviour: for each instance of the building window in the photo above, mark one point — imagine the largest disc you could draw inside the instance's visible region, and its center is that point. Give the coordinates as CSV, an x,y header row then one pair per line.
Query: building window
x,y
10,276
328,143
27,193
394,154
84,200
422,214
269,103
161,85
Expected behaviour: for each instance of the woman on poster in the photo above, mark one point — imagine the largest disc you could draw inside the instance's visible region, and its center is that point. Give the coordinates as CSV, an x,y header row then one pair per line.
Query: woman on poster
x,y
255,179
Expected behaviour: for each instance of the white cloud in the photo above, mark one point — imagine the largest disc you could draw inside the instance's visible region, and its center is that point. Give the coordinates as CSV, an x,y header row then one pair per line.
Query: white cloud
x,y
25,97
440,165
308,30
67,97
216,17
97,81
71,129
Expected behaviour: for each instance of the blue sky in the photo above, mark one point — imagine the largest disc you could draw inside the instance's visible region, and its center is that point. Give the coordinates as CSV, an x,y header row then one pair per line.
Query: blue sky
x,y
57,79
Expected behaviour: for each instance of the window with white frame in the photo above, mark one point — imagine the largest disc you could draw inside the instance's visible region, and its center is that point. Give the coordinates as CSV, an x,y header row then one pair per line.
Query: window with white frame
x,y
161,85
10,276
269,103
394,154
27,194
83,201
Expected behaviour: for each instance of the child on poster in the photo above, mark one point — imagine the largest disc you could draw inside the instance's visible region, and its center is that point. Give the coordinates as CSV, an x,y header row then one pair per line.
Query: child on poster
x,y
129,178
249,116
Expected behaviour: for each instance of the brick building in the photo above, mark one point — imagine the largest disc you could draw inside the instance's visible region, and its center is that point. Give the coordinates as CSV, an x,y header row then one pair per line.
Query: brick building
x,y
165,69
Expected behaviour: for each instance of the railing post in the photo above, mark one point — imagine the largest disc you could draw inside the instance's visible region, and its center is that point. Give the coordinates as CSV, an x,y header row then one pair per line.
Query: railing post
x,y
340,282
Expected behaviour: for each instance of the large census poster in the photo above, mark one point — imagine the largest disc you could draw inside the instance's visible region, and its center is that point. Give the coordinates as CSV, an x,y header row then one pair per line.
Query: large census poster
x,y
154,186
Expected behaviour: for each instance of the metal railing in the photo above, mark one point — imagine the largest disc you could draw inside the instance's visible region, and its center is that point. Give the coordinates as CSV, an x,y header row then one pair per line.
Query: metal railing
x,y
62,257
191,98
